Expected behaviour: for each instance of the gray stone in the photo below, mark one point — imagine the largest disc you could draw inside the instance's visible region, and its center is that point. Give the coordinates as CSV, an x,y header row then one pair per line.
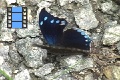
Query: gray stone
x,y
111,35
6,34
43,4
19,68
116,72
34,56
10,1
107,6
6,68
44,70
118,47
2,6
14,55
1,60
4,58
112,72
85,18
4,51
31,30
60,75
96,38
32,2
65,2
2,78
23,75
2,10
89,77
77,62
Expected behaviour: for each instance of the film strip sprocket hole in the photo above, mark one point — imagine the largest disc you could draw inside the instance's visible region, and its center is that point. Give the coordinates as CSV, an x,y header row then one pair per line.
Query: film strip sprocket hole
x,y
17,17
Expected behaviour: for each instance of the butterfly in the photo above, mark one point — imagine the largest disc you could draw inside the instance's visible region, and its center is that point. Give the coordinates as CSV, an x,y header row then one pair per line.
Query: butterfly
x,y
52,29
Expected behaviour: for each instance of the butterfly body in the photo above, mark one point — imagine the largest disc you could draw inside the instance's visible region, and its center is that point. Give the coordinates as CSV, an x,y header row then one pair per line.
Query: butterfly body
x,y
52,30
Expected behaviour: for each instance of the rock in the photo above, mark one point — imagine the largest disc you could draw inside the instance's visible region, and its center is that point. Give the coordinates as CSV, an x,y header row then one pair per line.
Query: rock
x,y
83,75
2,9
77,62
96,38
6,68
44,70
10,1
43,4
4,51
14,55
34,56
65,2
111,35
85,18
23,75
118,47
60,75
108,53
2,5
1,60
31,31
6,34
112,72
89,77
107,6
4,60
117,2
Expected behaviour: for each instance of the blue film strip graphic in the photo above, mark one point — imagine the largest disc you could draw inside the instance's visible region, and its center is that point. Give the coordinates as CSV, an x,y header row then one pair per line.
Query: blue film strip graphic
x,y
17,17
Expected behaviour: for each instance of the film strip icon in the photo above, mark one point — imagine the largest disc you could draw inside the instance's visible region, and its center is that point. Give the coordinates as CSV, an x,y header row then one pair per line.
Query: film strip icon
x,y
17,17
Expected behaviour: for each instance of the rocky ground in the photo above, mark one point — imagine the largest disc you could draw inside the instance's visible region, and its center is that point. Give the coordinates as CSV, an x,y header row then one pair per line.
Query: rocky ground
x,y
99,18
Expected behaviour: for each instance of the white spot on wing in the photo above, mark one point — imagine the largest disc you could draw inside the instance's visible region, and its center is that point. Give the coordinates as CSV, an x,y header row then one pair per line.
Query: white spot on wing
x,y
57,21
86,40
45,18
86,36
52,21
83,33
41,23
75,28
62,23
79,30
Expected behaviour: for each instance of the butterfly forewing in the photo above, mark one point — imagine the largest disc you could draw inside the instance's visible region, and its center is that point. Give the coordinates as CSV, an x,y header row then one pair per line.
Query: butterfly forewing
x,y
51,27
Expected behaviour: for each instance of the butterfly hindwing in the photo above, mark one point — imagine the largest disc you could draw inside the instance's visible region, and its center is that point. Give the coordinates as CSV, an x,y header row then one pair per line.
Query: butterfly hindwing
x,y
51,27
76,38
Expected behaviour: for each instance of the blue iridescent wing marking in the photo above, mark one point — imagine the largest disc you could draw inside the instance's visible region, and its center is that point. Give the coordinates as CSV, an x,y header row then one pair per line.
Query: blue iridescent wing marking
x,y
51,27
76,38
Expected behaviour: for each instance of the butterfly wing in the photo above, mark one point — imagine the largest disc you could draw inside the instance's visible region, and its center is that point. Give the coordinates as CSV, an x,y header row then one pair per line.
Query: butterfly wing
x,y
51,27
76,38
